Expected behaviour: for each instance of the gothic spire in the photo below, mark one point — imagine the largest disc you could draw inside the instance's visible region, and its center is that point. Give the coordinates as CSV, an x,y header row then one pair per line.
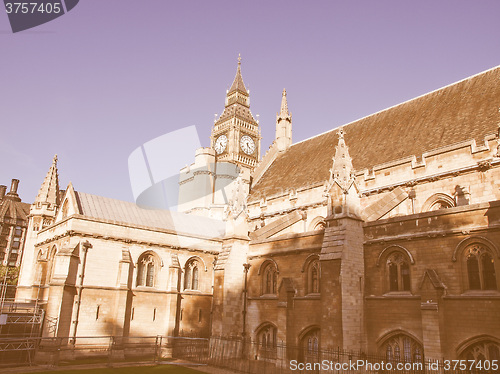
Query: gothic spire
x,y
238,84
342,190
284,114
342,172
283,125
48,193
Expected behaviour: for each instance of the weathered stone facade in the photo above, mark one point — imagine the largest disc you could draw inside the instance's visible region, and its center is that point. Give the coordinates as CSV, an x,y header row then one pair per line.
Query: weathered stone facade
x,y
13,224
381,236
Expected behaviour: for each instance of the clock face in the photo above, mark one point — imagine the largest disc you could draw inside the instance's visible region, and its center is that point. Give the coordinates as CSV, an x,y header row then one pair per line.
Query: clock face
x,y
247,145
221,144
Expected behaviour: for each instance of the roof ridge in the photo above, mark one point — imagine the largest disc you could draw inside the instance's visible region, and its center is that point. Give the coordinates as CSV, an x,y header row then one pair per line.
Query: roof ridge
x,y
462,112
129,213
402,103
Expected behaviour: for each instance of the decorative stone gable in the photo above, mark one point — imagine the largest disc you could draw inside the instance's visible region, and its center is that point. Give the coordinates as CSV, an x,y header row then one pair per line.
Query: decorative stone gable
x,y
342,190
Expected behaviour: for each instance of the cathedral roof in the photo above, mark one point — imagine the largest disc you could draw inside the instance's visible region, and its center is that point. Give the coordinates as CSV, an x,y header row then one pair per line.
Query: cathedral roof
x,y
118,211
456,113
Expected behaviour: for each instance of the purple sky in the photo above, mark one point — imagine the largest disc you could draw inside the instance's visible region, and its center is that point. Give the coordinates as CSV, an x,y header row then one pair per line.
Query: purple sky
x,y
111,75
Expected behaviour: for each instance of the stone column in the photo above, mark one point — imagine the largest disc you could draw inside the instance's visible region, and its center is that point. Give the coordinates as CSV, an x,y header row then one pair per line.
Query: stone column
x,y
432,291
123,303
342,271
61,301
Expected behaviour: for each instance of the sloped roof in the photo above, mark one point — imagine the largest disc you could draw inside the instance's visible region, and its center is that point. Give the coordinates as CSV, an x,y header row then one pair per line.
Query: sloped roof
x,y
237,110
238,84
462,111
104,208
12,210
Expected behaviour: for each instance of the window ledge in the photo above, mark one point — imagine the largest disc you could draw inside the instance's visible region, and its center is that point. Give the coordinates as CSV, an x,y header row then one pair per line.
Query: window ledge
x,y
196,293
188,290
310,296
398,294
394,295
145,288
268,296
149,289
476,294
481,292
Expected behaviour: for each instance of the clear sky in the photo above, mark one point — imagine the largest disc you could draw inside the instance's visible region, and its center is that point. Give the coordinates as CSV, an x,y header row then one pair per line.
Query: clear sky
x,y
110,75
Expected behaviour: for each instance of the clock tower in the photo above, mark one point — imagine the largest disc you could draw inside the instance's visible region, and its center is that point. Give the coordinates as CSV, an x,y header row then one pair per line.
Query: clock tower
x,y
236,135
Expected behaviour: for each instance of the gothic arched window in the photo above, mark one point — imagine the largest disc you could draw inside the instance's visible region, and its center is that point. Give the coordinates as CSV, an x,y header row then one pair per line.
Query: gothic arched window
x,y
317,224
267,342
485,351
146,270
438,201
398,269
309,346
313,276
51,264
44,269
65,209
40,268
401,347
480,268
269,279
192,275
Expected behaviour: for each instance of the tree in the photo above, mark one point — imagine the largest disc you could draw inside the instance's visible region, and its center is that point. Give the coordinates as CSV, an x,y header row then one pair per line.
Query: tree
x,y
9,275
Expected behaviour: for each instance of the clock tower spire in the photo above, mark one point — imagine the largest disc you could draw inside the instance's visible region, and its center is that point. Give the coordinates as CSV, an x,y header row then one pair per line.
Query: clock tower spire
x,y
236,134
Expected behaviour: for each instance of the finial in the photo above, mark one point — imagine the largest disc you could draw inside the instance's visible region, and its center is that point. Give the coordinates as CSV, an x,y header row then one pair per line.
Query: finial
x,y
283,114
55,159
239,58
341,133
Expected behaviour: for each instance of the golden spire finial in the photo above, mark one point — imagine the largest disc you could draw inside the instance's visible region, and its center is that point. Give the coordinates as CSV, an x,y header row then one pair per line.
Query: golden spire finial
x,y
239,58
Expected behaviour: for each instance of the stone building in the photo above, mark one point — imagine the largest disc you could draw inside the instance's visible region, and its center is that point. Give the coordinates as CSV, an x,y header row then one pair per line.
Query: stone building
x,y
13,224
381,236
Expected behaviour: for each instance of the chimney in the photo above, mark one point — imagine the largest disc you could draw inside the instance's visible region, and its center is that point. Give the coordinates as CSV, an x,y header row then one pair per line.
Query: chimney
x,y
13,186
12,194
3,189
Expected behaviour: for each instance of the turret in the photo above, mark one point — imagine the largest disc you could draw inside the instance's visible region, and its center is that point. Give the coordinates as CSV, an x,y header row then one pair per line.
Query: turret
x,y
42,214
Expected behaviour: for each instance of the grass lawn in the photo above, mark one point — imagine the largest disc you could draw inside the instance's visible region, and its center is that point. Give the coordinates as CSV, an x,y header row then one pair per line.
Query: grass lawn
x,y
160,369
